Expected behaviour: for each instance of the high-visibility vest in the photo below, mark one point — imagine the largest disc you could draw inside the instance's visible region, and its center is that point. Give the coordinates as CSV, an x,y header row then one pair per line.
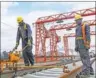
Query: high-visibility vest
x,y
86,43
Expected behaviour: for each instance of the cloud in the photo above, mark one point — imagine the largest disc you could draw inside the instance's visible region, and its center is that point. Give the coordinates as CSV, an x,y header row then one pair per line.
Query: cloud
x,y
36,14
8,32
82,5
51,3
6,5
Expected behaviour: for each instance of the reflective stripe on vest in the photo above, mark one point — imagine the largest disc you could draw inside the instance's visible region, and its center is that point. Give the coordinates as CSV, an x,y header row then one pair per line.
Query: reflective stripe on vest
x,y
79,38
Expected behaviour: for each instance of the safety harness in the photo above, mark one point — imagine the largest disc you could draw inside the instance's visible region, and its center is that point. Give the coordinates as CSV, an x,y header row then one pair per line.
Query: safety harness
x,y
25,27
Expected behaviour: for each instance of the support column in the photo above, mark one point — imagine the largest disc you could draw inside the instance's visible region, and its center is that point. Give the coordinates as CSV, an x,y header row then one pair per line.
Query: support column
x,y
66,48
43,40
53,45
37,41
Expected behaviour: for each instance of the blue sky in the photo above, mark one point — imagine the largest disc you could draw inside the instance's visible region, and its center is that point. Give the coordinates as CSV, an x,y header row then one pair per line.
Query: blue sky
x,y
22,8
26,7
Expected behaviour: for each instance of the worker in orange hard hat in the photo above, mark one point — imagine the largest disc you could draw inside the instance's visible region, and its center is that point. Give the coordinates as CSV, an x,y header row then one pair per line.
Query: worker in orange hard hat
x,y
82,45
24,32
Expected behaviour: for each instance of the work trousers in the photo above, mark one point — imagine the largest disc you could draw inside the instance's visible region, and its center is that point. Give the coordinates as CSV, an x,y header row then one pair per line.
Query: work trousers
x,y
85,58
87,66
27,53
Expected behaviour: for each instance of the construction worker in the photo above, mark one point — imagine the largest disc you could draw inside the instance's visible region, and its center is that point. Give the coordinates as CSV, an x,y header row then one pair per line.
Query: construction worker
x,y
82,45
24,32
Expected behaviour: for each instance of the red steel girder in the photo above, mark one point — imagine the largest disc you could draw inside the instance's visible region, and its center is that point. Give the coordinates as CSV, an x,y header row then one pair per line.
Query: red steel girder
x,y
67,15
73,34
71,25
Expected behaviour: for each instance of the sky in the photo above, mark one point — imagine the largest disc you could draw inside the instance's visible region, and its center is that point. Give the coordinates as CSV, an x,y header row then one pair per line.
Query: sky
x,y
31,11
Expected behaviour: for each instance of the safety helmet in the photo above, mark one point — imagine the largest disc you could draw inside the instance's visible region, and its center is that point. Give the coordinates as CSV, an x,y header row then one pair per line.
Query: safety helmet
x,y
78,16
19,19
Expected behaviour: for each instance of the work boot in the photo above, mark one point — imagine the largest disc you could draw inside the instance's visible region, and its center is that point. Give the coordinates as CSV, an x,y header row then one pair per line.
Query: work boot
x,y
84,76
32,64
26,64
91,73
77,76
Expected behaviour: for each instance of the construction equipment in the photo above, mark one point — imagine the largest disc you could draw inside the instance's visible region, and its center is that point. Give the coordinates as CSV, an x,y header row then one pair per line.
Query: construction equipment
x,y
13,58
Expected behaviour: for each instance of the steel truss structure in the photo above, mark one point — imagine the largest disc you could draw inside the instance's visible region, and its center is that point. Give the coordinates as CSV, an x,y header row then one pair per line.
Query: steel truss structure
x,y
42,33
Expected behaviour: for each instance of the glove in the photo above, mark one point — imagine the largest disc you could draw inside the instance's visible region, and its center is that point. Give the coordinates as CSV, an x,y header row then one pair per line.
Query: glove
x,y
76,49
29,43
87,45
15,46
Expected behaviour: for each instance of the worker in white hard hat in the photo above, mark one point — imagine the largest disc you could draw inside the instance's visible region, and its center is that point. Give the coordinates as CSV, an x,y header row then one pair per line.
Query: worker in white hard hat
x,y
82,45
24,32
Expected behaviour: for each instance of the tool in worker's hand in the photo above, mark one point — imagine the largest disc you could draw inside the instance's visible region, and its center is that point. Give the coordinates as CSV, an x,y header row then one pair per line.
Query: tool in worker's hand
x,y
24,48
21,50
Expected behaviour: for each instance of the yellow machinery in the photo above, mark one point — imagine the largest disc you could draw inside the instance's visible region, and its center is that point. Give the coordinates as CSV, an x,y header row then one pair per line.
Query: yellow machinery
x,y
13,58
